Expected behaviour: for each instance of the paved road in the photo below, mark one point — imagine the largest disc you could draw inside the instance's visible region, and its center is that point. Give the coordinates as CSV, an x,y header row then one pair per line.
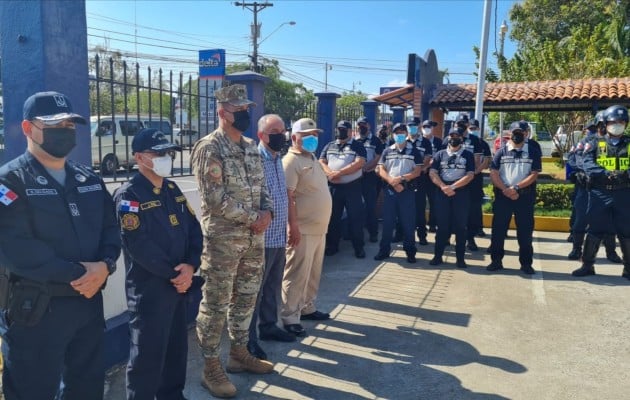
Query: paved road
x,y
403,331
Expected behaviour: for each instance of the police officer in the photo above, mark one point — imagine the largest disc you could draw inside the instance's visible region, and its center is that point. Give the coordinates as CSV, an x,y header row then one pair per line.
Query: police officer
x,y
605,163
369,180
451,171
237,208
472,143
162,245
424,148
513,172
425,183
400,164
343,160
60,241
383,134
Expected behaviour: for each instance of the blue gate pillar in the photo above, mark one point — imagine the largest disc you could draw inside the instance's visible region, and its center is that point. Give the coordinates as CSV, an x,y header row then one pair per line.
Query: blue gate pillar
x,y
369,110
326,115
398,114
39,54
255,83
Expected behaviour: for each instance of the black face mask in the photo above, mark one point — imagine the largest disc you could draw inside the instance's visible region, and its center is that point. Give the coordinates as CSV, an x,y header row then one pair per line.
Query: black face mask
x,y
342,134
455,141
241,120
517,138
58,142
276,141
363,130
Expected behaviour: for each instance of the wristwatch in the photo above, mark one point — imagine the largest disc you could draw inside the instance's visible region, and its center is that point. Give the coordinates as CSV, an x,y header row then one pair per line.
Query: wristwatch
x,y
111,264
516,188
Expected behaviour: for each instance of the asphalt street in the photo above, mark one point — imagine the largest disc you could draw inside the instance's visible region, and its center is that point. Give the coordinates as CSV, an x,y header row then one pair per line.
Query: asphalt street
x,y
414,331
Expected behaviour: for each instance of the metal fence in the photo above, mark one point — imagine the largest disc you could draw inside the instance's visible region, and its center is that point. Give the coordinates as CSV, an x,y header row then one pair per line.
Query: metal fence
x,y
125,100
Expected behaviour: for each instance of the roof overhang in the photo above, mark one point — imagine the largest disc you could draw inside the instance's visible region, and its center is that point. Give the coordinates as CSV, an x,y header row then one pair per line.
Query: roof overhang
x,y
401,97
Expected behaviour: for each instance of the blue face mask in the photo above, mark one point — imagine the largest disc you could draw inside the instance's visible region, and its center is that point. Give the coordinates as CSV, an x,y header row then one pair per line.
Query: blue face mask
x,y
400,138
309,143
413,130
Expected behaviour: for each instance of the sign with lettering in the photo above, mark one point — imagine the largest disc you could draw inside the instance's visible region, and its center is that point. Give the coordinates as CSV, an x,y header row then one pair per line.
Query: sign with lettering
x,y
211,64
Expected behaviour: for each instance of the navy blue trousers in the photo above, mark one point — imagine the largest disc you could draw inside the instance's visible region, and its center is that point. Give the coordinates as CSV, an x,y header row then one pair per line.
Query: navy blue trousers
x,y
475,217
348,196
369,183
523,211
580,204
159,341
608,212
401,207
66,345
451,214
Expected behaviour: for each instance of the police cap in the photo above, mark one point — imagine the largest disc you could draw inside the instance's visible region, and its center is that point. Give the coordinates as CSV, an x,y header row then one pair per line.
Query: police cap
x,y
344,124
153,140
51,108
399,126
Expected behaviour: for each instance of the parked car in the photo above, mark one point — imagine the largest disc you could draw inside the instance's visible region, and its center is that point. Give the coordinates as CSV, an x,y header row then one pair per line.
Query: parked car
x,y
187,138
543,136
111,139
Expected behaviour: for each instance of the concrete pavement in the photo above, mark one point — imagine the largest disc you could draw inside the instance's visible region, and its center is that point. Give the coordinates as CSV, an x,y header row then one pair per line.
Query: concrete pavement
x,y
402,331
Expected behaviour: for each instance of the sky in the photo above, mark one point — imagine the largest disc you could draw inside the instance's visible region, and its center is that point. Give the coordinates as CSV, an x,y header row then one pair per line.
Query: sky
x,y
364,43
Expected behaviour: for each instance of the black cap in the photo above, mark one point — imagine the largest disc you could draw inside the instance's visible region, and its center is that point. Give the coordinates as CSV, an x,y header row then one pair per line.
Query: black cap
x,y
474,122
51,108
399,125
519,125
382,126
462,118
152,139
455,131
362,120
413,122
344,124
429,123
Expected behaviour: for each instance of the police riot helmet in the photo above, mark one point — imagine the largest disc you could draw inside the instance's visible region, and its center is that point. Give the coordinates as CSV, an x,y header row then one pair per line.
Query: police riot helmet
x,y
599,117
616,113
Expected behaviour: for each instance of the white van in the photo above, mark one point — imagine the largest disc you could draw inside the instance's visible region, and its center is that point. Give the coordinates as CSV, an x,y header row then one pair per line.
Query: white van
x,y
111,139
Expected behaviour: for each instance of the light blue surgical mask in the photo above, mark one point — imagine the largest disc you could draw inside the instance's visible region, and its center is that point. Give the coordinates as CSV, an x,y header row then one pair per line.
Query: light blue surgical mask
x,y
309,143
400,138
413,130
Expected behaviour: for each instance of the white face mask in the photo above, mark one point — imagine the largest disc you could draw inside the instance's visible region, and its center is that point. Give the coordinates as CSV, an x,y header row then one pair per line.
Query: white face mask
x,y
162,166
426,131
616,129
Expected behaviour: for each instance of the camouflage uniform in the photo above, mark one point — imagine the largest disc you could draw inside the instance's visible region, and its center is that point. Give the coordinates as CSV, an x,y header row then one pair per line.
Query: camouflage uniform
x,y
233,189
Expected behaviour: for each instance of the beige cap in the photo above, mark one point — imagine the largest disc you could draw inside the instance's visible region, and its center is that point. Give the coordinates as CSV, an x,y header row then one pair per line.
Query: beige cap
x,y
304,125
236,95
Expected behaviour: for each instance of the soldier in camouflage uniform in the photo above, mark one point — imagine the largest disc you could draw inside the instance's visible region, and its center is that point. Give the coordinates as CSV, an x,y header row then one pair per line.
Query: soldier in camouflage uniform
x,y
235,211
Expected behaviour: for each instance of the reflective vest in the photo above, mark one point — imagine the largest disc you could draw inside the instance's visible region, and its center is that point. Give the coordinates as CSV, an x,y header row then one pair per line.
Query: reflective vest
x,y
607,159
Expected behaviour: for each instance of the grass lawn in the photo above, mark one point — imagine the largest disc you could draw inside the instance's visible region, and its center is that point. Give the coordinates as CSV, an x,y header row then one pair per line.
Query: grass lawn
x,y
554,169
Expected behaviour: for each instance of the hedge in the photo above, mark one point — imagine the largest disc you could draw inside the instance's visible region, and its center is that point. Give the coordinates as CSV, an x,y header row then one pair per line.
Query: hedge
x,y
549,196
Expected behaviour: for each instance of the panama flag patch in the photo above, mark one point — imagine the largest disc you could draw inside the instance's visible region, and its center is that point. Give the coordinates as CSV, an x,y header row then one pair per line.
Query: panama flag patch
x,y
7,196
130,206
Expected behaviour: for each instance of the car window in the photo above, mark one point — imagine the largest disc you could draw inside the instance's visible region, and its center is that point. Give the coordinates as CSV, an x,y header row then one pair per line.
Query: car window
x,y
129,128
163,126
106,128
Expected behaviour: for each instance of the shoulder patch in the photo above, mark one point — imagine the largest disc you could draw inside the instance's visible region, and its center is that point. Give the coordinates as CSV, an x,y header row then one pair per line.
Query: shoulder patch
x,y
130,222
129,206
215,170
7,196
171,186
180,199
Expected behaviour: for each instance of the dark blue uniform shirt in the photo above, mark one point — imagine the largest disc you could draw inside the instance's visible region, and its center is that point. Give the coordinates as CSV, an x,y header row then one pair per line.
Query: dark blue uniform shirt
x,y
452,166
159,229
46,228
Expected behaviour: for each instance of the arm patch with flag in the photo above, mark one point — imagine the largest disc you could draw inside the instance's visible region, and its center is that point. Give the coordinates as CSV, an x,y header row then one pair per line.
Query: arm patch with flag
x,y
129,206
7,196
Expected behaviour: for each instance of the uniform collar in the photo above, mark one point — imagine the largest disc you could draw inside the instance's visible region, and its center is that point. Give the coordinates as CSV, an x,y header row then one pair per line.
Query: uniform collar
x,y
142,181
348,142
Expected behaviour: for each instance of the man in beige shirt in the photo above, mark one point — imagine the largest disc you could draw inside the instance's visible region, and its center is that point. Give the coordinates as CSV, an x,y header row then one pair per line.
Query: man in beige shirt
x,y
310,206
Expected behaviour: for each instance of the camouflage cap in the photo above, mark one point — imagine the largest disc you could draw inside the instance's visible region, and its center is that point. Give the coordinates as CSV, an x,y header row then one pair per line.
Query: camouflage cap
x,y
235,95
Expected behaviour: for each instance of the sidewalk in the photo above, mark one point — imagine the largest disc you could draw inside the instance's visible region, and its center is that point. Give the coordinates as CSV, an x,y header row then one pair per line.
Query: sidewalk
x,y
402,331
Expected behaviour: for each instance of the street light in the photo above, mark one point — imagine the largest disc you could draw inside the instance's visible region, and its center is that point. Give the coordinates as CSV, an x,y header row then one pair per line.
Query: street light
x,y
276,30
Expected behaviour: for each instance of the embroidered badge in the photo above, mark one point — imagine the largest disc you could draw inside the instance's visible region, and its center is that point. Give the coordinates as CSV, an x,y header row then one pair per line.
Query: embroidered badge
x,y
91,188
171,186
180,199
156,190
42,180
80,178
74,210
215,170
173,219
130,222
7,196
128,205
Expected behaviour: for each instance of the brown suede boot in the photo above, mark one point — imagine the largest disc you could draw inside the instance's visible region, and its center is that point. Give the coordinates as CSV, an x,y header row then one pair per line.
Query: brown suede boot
x,y
240,360
215,380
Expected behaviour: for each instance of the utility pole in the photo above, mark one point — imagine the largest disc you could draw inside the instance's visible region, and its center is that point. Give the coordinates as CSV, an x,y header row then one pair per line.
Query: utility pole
x,y
483,57
255,7
326,68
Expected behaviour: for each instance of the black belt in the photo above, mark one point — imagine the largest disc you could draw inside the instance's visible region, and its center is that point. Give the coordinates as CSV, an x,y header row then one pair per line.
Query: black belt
x,y
613,186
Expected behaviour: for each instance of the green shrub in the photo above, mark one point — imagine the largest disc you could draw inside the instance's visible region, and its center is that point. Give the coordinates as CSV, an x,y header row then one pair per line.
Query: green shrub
x,y
552,199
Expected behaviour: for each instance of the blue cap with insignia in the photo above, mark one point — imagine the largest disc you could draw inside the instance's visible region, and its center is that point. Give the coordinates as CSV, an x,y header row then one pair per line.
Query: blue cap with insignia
x,y
153,140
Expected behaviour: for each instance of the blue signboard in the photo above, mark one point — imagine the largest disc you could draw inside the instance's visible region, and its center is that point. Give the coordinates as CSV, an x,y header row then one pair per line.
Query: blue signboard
x,y
211,63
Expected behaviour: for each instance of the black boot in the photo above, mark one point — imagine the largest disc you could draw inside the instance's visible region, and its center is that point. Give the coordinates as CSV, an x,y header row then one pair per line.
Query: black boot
x,y
576,252
624,243
611,254
591,246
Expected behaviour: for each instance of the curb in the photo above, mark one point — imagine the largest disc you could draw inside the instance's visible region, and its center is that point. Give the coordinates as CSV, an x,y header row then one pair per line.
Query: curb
x,y
546,224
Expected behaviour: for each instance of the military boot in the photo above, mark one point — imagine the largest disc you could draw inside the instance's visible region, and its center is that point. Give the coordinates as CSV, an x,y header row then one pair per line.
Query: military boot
x,y
624,243
240,360
611,254
578,241
591,246
215,380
